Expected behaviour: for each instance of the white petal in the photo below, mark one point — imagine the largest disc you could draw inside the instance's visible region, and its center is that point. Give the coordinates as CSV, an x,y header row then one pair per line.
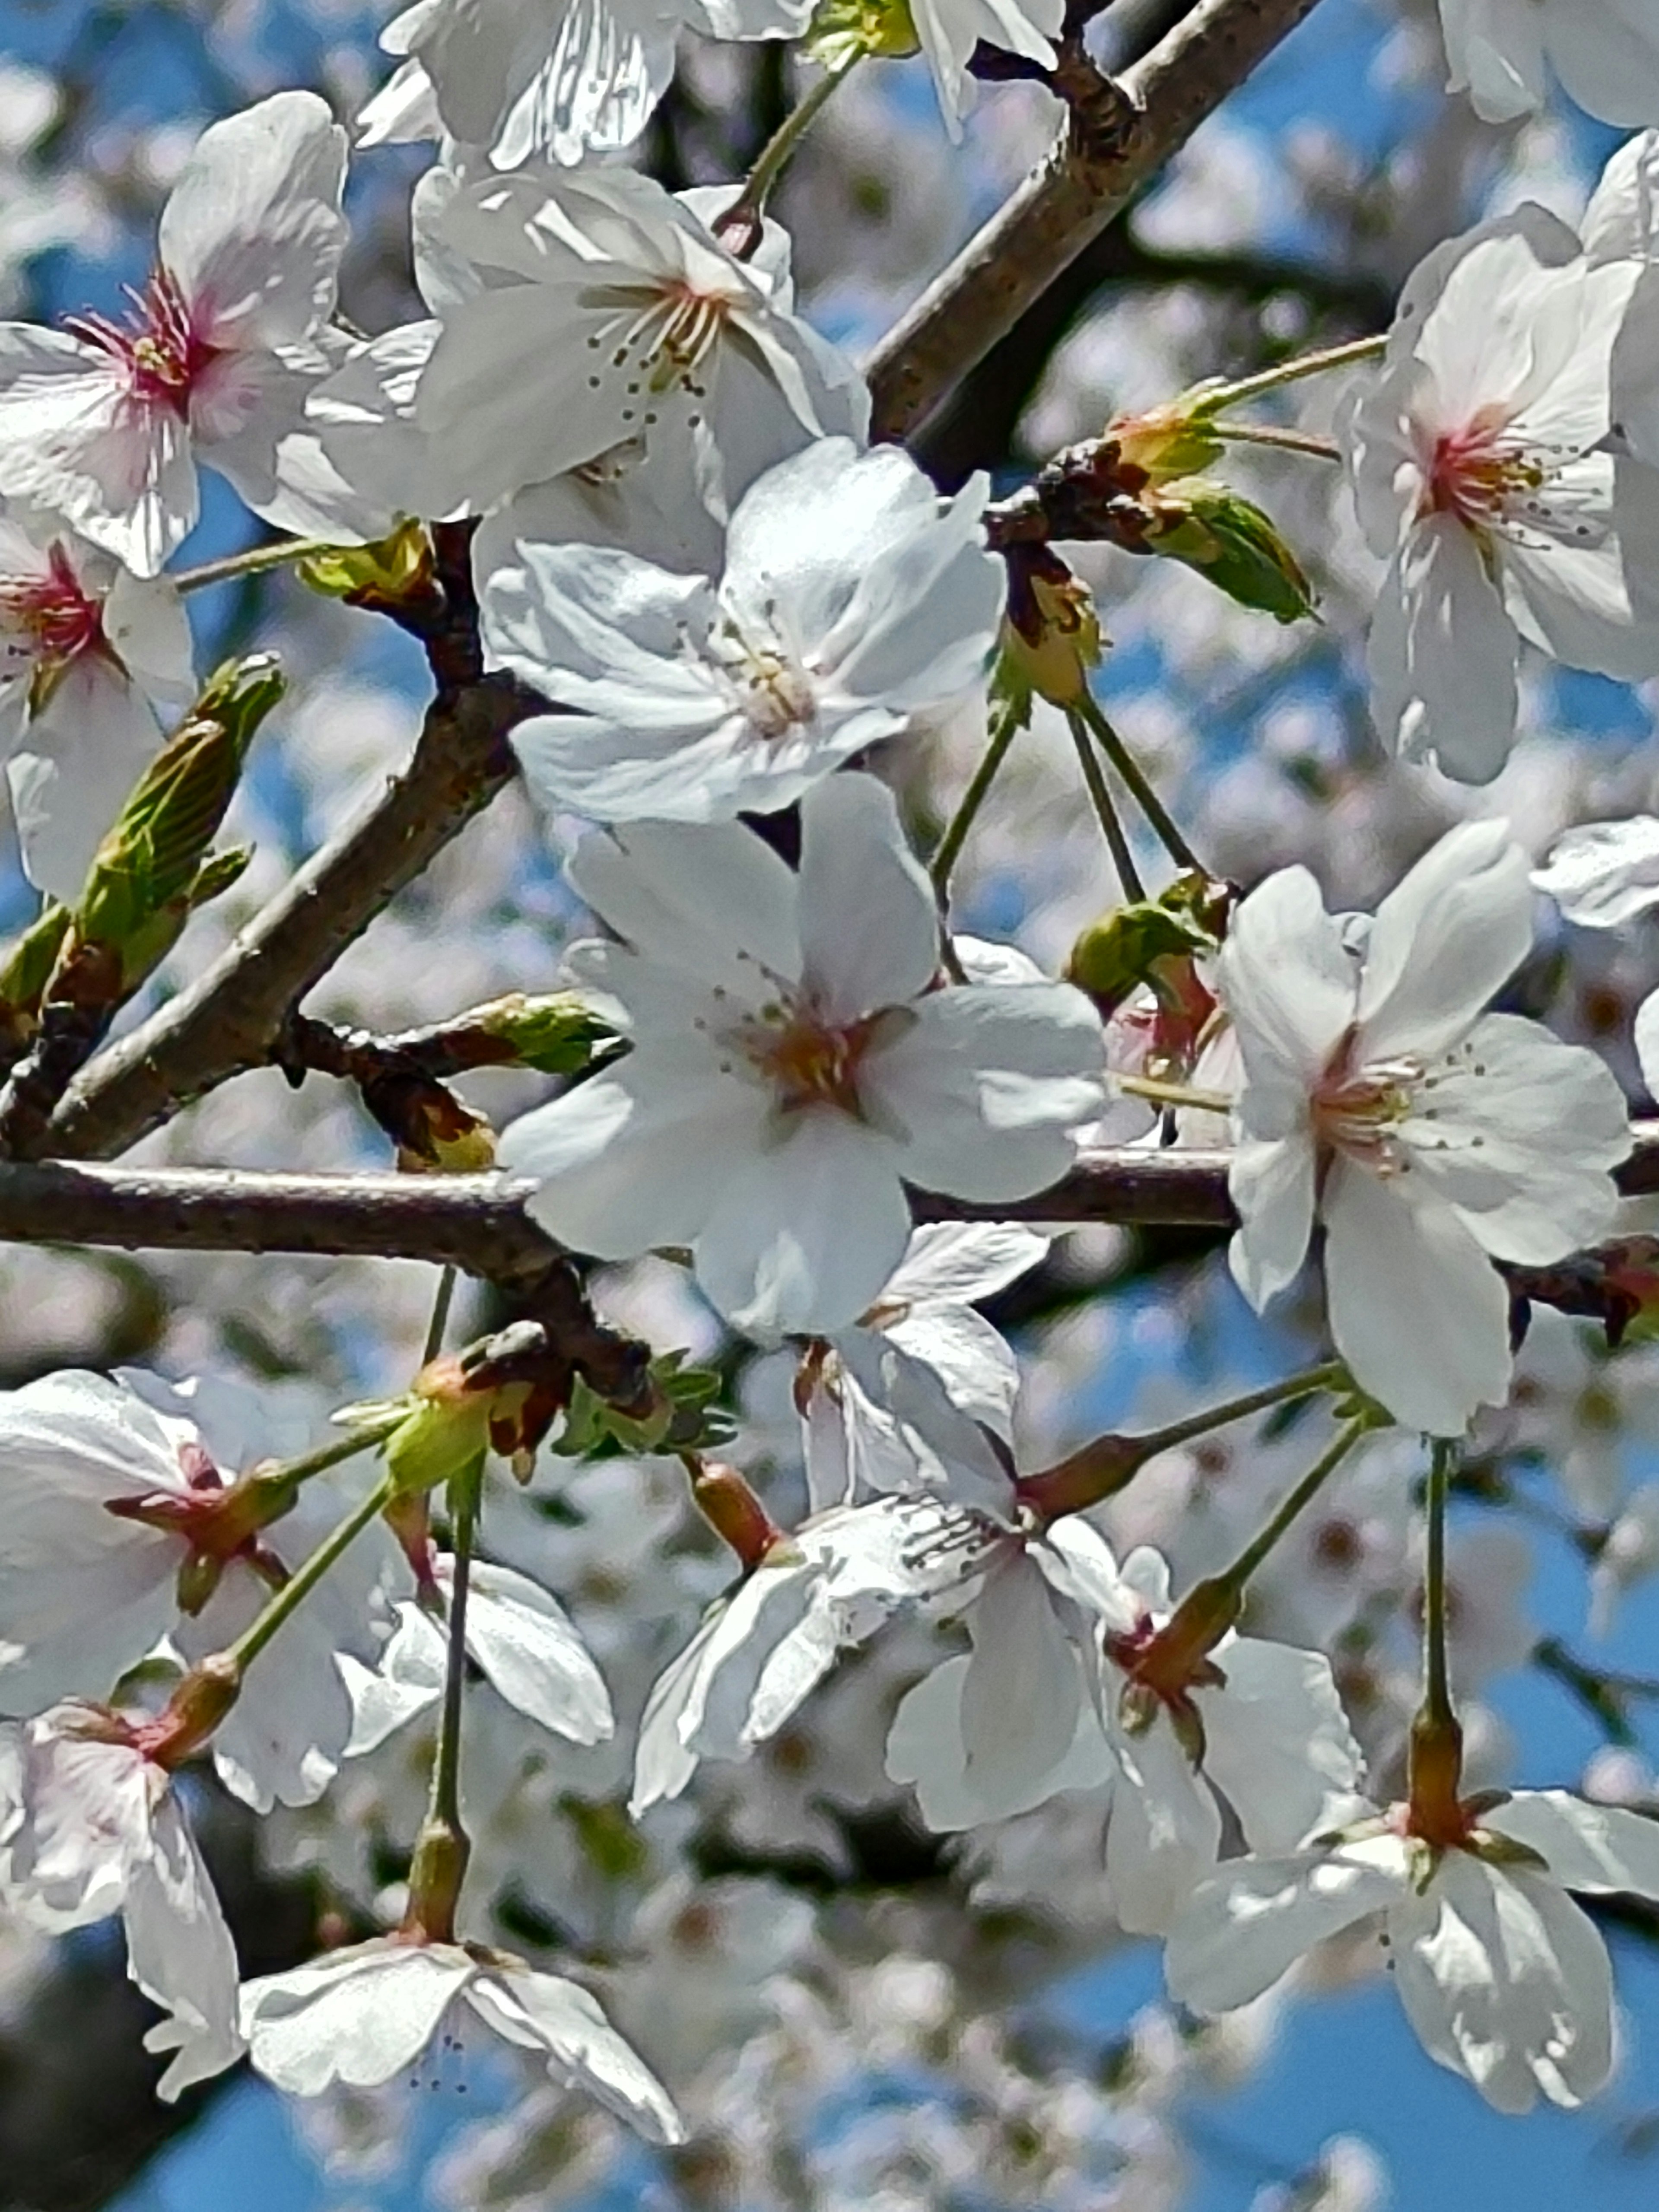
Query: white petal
x,y
1247,1926
1278,1742
1290,987
1416,1308
1164,1832
583,2051
924,1748
803,1235
1602,1849
180,1954
1505,1981
252,230
958,1262
869,923
358,2016
1444,942
988,1082
1271,1182
1442,656
529,1651
1604,874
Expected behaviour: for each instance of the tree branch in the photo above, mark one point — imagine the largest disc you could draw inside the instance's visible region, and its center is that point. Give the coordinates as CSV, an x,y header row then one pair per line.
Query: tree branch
x,y
478,1222
1085,180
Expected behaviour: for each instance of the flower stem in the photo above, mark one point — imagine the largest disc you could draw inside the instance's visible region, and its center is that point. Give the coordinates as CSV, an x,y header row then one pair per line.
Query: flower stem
x,y
290,1474
1216,1605
1435,1758
1173,1094
1106,812
742,220
1163,824
1211,402
1003,730
306,1577
1304,1494
439,1322
1101,1469
1436,1682
1269,434
254,562
443,1847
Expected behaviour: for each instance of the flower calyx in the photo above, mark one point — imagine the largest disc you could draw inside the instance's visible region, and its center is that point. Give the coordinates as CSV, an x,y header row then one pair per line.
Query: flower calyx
x,y
1051,635
1164,1666
396,575
217,1521
734,1511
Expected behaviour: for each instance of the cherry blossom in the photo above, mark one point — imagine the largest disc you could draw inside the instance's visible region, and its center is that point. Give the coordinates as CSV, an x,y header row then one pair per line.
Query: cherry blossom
x,y
91,656
584,312
521,1638
362,2015
560,78
118,1532
1606,53
763,1650
902,1401
1481,472
1067,1687
697,701
795,1062
103,422
1430,1137
1503,1979
88,1827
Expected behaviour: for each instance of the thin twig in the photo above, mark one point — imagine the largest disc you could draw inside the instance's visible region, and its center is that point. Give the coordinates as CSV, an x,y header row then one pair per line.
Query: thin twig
x,y
1163,824
1080,186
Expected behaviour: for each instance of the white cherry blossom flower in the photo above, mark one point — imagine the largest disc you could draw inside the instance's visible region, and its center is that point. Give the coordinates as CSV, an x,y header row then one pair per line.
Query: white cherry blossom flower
x,y
1503,1979
521,1638
560,78
90,655
796,1061
109,1494
1063,1691
697,701
1627,1556
1606,53
1430,1137
902,1401
88,1827
1481,472
1604,874
762,1649
360,2017
592,309
104,422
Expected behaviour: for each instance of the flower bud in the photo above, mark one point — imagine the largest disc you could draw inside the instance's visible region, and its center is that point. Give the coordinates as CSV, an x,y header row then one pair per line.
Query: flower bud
x,y
1165,443
395,573
1230,541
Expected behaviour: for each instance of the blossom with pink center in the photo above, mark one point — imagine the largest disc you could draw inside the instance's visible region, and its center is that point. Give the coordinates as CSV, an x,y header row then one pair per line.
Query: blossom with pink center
x,y
1480,468
103,421
90,1826
1430,1137
798,1058
90,655
120,1536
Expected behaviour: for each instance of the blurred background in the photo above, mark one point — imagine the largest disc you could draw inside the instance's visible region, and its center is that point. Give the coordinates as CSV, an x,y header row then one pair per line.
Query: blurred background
x,y
851,2012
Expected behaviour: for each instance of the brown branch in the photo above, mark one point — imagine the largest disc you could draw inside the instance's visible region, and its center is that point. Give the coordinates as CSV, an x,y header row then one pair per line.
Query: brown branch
x,y
230,1017
478,1222
1087,179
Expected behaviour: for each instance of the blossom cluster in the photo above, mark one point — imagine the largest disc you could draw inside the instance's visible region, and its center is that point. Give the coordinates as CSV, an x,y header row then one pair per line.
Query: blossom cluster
x,y
823,1126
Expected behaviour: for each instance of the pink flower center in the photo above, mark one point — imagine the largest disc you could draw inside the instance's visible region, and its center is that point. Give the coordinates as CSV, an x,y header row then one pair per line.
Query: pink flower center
x,y
1357,1110
159,346
47,621
1474,472
810,1061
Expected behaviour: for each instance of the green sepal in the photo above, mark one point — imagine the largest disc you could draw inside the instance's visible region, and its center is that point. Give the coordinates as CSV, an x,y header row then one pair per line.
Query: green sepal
x,y
842,30
683,1416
